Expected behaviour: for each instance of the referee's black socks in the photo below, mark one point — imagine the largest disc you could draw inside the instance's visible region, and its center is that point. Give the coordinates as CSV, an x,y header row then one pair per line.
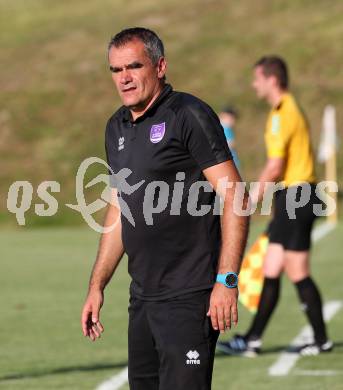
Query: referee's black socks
x,y
267,304
312,304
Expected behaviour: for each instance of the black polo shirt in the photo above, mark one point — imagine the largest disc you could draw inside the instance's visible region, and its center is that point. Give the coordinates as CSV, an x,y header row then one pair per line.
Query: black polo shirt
x,y
174,250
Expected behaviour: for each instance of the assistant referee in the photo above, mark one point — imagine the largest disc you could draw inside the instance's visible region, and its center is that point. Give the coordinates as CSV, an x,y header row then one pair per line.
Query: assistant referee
x,y
184,261
290,159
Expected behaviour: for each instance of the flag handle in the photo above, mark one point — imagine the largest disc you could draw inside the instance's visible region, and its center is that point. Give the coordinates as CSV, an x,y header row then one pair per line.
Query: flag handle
x,y
331,175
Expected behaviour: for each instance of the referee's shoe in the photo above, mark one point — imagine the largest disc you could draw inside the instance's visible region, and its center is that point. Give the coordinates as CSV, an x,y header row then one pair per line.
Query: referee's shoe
x,y
315,348
240,346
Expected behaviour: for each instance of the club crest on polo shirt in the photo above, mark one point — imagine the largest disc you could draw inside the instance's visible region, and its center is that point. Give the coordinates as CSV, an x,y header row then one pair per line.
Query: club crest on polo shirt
x,y
157,132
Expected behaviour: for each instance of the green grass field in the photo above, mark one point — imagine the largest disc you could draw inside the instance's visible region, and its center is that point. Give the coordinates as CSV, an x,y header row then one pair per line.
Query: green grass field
x,y
43,281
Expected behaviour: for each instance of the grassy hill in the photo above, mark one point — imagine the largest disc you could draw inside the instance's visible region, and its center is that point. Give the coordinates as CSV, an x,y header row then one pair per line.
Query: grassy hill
x,y
56,92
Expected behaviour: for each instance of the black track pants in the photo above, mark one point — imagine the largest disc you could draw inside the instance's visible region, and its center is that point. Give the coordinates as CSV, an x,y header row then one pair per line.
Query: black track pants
x,y
171,344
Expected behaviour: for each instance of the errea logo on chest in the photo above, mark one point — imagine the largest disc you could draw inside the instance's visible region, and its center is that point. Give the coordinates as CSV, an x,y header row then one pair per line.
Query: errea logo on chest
x,y
121,141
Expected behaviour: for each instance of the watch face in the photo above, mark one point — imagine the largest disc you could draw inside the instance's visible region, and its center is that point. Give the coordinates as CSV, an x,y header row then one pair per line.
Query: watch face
x,y
231,280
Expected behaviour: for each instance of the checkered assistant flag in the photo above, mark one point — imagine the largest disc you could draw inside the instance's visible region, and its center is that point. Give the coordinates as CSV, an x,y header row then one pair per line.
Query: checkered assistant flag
x,y
251,275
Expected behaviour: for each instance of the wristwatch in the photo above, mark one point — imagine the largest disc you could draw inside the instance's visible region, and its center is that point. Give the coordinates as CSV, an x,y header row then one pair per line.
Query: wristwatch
x,y
230,279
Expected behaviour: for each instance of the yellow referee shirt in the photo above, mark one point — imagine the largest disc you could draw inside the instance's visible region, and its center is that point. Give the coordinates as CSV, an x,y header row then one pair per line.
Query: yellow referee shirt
x,y
287,136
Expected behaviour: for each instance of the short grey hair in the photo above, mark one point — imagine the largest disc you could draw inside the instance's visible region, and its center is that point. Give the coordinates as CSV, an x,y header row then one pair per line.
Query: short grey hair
x,y
152,43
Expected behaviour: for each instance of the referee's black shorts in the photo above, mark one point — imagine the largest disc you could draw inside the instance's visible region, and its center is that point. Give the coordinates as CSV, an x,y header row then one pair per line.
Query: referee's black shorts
x,y
171,343
293,233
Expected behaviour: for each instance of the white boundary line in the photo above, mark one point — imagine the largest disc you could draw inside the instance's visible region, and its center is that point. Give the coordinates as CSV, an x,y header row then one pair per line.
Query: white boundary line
x,y
317,372
115,382
322,230
287,360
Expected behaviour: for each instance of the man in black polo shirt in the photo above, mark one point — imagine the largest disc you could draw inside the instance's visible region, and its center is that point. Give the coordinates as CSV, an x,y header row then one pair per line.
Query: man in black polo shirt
x,y
167,151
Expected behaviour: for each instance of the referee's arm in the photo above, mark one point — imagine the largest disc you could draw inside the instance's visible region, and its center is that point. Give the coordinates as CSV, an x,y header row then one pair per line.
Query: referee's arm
x,y
223,303
272,171
109,255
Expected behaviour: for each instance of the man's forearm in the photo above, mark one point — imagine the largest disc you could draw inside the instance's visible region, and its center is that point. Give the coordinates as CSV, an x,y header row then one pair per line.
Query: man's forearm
x,y
234,235
265,178
110,251
270,173
234,227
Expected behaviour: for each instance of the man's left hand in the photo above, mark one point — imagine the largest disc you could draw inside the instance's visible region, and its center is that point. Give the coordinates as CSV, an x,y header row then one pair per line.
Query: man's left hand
x,y
223,307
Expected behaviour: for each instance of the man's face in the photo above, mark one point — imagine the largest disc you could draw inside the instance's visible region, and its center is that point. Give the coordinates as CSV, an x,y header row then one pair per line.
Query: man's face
x,y
261,83
137,80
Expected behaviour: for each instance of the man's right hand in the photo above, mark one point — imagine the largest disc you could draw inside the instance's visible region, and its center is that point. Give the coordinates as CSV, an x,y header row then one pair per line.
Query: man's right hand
x,y
91,326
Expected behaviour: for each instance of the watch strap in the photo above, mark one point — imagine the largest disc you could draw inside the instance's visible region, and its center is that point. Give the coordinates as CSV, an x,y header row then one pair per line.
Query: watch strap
x,y
221,278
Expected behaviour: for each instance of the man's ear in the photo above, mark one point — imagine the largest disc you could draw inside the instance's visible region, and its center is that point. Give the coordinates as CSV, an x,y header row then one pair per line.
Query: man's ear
x,y
161,67
274,81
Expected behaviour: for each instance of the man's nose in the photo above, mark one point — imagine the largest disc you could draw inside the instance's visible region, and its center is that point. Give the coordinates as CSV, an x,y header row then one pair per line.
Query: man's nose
x,y
125,76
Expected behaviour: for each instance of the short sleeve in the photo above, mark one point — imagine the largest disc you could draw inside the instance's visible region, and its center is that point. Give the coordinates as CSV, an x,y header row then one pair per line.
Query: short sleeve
x,y
110,158
276,137
203,136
